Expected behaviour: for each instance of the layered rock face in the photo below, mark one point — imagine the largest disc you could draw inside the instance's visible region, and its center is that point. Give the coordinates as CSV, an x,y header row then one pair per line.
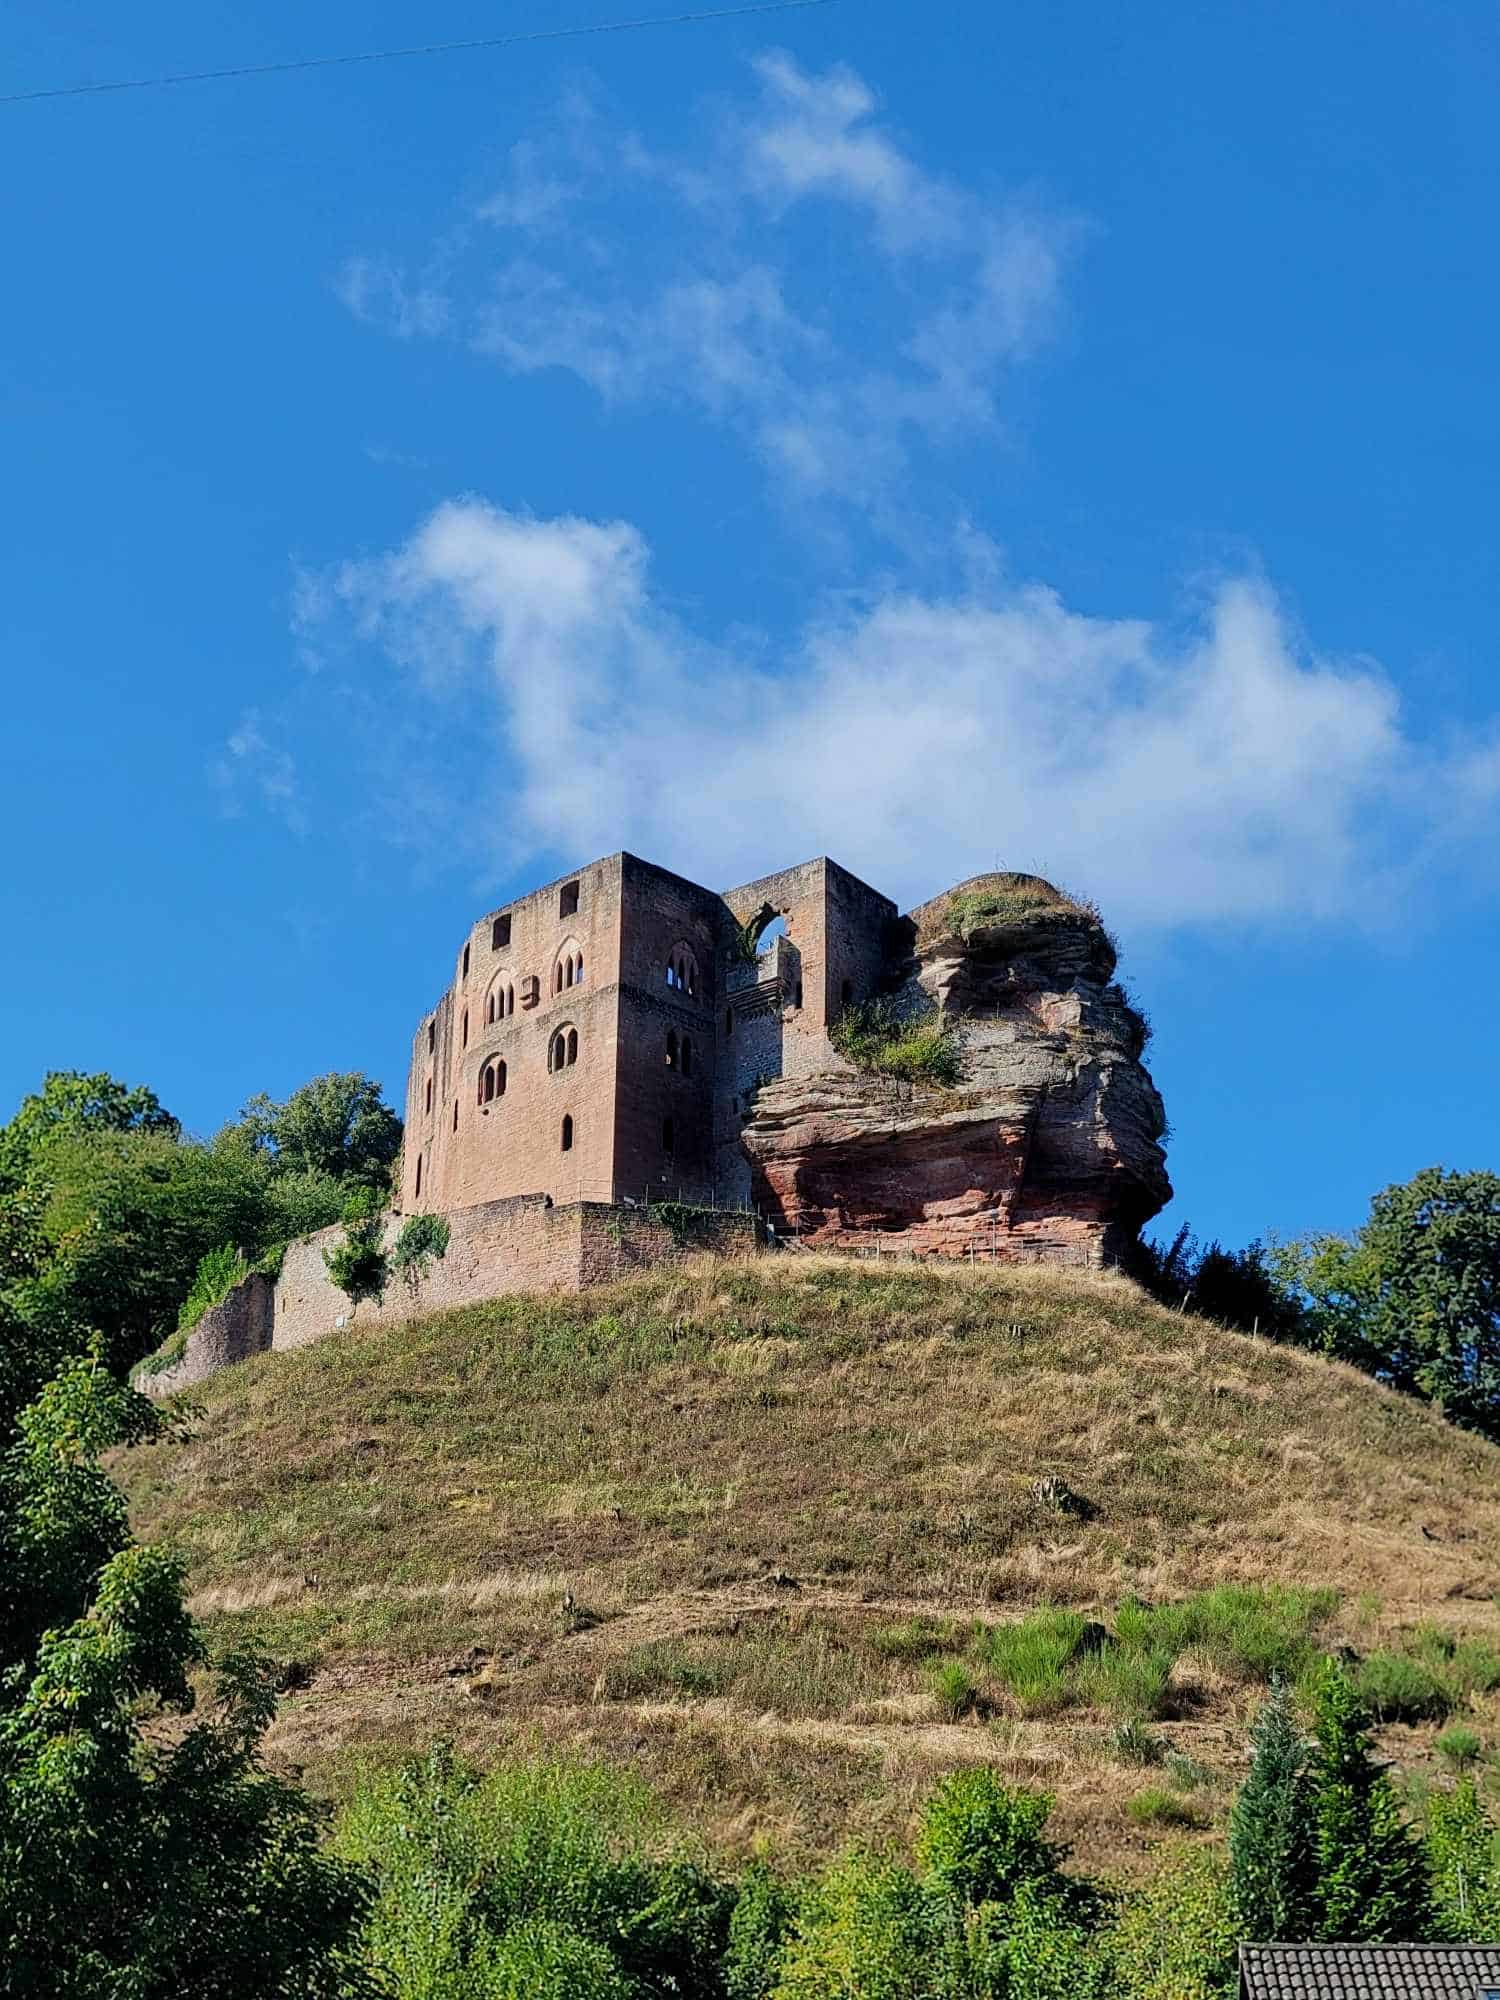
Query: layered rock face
x,y
1049,1144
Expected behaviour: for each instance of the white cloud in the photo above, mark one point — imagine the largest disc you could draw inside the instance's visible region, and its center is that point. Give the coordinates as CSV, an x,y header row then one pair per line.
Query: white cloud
x,y
251,764
814,136
674,278
1222,774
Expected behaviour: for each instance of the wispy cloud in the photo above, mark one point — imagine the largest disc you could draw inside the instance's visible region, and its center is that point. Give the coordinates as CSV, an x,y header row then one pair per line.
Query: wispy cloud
x,y
678,278
253,767
1223,772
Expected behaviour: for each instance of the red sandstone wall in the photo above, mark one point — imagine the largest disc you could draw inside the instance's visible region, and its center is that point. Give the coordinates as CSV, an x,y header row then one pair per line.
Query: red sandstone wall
x,y
475,1153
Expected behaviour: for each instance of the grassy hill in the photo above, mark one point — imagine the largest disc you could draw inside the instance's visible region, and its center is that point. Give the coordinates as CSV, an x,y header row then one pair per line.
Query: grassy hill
x,y
772,1534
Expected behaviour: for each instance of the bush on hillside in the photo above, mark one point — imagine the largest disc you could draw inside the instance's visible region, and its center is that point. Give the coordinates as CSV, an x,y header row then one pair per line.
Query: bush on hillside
x,y
1240,1288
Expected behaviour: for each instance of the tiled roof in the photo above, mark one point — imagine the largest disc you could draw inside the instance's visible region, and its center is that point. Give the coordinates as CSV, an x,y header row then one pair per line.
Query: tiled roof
x,y
1369,1971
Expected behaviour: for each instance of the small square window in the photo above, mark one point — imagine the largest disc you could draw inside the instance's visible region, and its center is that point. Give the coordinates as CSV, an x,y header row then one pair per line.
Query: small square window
x,y
500,935
567,902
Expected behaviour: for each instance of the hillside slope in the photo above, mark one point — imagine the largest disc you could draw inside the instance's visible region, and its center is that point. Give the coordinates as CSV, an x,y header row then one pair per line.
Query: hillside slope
x,y
732,1521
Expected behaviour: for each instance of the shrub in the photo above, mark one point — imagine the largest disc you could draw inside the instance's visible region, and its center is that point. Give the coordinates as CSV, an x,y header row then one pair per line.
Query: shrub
x,y
1463,1865
757,1932
1033,1655
954,1689
981,1839
524,1879
1133,1743
422,1240
358,1265
1397,1688
919,1048
1130,1683
1461,1747
1157,1805
863,1932
1175,1939
219,1271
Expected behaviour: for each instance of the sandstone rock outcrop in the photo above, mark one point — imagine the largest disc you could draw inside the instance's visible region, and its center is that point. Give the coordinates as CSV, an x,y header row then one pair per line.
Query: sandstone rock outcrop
x,y
1049,1144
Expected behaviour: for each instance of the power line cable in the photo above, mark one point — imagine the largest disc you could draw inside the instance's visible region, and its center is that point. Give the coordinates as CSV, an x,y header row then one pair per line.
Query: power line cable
x,y
420,49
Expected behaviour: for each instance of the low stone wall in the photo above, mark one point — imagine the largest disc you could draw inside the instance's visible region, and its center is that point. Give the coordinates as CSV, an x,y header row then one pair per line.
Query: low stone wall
x,y
523,1244
231,1331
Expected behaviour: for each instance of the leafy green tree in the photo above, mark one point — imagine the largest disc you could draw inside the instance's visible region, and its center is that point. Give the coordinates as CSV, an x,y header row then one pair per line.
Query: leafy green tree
x,y
1370,1882
1270,1829
1175,1938
1414,1296
70,1101
1463,1861
128,1216
336,1124
133,1865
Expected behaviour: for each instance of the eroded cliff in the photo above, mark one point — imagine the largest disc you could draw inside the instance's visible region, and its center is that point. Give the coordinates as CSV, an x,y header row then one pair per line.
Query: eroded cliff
x,y
1049,1143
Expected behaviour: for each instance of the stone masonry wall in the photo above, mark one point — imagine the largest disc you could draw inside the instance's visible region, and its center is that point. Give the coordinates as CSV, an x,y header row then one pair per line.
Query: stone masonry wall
x,y
231,1331
517,1245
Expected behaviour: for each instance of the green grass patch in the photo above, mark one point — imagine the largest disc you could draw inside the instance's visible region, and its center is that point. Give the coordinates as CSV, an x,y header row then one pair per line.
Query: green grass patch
x,y
918,1048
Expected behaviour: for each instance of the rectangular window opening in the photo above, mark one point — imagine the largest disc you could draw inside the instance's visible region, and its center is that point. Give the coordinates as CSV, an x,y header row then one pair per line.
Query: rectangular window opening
x,y
567,902
500,935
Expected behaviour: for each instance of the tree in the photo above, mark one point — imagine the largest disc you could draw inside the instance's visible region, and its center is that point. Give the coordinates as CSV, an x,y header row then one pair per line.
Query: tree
x,y
1270,1829
128,1215
1463,1862
1414,1296
69,1101
1370,1884
1239,1287
133,1865
336,1124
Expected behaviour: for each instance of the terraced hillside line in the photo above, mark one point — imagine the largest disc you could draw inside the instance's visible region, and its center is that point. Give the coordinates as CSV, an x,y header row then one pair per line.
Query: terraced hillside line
x,y
761,1530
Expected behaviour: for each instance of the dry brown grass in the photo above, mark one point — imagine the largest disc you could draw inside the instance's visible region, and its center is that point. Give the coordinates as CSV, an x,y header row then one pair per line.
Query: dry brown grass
x,y
673,1520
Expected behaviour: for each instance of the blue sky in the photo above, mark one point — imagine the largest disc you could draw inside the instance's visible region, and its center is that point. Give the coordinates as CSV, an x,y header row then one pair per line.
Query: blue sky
x,y
935,436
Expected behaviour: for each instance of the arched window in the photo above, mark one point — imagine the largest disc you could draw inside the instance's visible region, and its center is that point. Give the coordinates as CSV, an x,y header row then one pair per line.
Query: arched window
x,y
465,1042
487,1084
568,969
671,1048
429,1093
682,970
500,1079
572,1045
567,1132
419,1174
557,1050
687,1056
666,1136
489,1010
510,999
